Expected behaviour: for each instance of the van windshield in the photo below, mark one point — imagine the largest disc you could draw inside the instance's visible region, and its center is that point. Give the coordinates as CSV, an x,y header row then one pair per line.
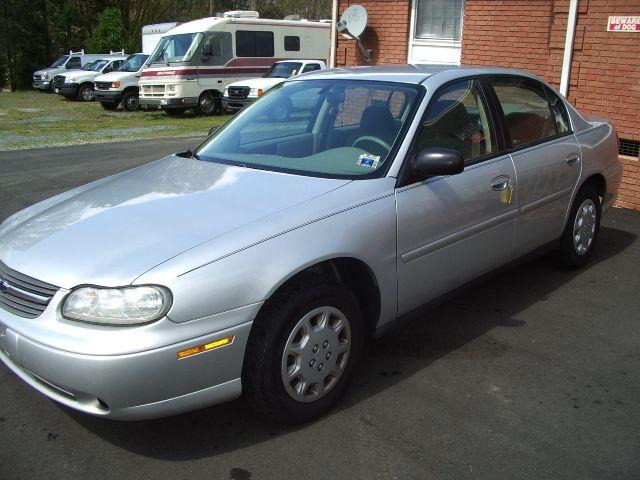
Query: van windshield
x,y
176,48
59,62
133,63
332,128
95,66
283,69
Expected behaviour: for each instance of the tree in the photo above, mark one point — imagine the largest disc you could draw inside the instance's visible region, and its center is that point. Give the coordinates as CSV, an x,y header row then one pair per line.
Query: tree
x,y
110,34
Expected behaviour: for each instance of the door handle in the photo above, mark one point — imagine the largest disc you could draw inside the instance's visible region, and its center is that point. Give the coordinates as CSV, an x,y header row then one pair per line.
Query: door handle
x,y
500,183
573,159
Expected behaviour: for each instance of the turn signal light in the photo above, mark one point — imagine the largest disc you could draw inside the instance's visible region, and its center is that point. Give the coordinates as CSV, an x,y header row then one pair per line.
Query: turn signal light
x,y
260,92
221,342
116,84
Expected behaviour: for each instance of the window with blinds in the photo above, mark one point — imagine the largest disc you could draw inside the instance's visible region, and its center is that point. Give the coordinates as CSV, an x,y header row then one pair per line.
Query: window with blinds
x,y
439,20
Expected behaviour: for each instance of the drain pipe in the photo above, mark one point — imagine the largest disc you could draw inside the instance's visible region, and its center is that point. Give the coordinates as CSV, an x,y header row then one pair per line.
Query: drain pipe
x,y
334,22
572,19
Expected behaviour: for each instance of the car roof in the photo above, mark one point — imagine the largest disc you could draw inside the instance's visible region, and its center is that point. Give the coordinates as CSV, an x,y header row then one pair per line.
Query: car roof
x,y
408,73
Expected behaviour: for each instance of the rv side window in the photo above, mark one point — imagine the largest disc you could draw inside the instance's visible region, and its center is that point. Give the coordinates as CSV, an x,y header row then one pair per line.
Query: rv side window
x,y
292,44
254,44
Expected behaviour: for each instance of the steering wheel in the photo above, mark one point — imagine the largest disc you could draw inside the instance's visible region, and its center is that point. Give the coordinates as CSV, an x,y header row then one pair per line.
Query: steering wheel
x,y
371,138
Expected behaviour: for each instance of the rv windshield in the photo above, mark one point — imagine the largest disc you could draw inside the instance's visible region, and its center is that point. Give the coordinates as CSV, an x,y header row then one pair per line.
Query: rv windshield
x,y
283,69
176,48
329,128
59,62
133,63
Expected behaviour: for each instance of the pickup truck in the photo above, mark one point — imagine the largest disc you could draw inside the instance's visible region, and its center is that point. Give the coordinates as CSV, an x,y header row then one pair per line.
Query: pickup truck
x,y
240,94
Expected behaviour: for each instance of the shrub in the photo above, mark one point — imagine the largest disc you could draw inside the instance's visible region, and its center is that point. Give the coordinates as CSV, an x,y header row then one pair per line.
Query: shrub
x,y
110,34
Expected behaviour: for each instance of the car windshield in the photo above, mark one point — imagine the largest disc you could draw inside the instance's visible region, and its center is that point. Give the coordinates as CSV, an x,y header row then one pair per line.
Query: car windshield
x,y
59,62
133,63
176,48
283,69
95,66
334,128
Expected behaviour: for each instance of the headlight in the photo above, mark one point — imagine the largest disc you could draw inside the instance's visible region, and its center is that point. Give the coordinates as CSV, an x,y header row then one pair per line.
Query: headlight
x,y
45,76
115,84
117,306
255,92
171,88
70,79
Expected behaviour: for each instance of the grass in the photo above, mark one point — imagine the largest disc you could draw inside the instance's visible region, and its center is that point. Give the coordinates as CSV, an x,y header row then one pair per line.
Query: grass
x,y
34,119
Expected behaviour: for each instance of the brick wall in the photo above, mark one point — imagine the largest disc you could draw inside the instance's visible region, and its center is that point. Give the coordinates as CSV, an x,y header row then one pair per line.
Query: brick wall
x,y
386,34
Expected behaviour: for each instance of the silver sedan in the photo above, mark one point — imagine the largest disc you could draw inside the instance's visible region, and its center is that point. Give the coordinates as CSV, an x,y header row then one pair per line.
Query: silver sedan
x,y
260,263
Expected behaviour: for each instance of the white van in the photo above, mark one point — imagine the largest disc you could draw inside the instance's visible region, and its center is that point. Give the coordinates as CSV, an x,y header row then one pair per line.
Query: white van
x,y
241,93
43,79
78,84
120,86
196,61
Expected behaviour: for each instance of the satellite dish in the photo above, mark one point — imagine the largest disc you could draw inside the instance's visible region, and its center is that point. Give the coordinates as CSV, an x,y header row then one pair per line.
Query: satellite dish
x,y
353,21
352,24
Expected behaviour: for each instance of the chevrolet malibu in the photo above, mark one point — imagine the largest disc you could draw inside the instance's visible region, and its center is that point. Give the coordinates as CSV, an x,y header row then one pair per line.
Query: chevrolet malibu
x,y
260,262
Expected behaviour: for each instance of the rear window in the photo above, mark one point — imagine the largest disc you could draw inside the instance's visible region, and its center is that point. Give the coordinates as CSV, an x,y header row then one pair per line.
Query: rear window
x,y
526,109
254,44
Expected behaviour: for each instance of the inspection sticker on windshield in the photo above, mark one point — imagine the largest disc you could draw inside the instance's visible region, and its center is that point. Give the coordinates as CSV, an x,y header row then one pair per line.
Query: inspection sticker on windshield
x,y
368,160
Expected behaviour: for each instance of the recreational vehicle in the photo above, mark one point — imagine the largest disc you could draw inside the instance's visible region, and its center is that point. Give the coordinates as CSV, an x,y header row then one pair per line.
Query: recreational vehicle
x,y
194,62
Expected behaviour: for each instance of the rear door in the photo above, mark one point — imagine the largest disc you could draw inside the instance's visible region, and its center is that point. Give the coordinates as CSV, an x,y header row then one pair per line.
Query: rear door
x,y
546,156
452,229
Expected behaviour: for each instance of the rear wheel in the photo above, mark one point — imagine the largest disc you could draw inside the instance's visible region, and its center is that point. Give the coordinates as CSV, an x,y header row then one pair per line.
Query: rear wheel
x,y
85,93
109,105
130,101
581,232
302,350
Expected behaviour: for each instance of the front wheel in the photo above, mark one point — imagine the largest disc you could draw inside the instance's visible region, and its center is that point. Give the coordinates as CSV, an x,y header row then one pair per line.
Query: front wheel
x,y
130,101
85,93
208,104
302,350
581,232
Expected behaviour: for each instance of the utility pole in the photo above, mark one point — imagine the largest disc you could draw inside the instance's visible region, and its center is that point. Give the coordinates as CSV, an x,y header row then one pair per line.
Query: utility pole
x,y
211,11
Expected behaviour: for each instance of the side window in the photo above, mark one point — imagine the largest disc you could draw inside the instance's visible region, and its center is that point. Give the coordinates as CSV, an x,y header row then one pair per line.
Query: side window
x,y
560,114
73,63
458,118
254,44
292,43
310,67
526,109
221,51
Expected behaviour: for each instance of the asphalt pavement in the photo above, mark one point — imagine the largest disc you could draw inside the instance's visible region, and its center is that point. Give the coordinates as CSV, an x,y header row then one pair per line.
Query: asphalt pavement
x,y
534,373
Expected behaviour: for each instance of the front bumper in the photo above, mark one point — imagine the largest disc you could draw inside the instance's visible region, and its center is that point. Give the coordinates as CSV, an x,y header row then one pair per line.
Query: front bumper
x,y
107,95
161,102
69,90
150,383
235,105
41,84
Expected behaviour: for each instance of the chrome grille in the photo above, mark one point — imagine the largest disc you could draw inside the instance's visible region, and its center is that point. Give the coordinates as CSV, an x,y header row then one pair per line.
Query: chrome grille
x,y
238,92
103,85
23,295
36,77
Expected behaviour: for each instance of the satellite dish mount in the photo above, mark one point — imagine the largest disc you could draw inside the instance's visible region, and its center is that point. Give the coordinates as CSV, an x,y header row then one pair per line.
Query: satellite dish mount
x,y
352,24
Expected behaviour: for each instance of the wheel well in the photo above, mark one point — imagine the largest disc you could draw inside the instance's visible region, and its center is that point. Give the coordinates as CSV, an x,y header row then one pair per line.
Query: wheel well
x,y
357,276
130,90
84,84
598,181
214,93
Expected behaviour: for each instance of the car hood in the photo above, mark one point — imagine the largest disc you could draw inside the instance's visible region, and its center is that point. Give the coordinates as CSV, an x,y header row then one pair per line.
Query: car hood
x,y
260,82
46,70
111,231
81,74
115,76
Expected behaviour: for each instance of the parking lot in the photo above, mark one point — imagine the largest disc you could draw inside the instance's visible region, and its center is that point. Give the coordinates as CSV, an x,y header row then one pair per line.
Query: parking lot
x,y
530,374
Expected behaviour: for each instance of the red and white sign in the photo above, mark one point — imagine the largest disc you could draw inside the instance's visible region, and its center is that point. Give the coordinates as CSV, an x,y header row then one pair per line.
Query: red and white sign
x,y
624,24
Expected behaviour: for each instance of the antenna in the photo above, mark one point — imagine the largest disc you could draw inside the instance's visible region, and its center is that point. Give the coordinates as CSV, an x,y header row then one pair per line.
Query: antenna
x,y
352,24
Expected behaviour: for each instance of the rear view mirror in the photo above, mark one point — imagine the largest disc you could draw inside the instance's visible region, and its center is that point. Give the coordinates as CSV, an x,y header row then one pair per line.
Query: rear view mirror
x,y
437,161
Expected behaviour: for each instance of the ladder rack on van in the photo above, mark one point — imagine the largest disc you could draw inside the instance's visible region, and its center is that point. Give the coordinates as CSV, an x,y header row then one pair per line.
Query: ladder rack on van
x,y
81,52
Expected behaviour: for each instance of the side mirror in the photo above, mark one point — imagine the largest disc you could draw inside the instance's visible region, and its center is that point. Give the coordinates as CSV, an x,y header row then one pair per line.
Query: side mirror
x,y
207,49
438,161
213,130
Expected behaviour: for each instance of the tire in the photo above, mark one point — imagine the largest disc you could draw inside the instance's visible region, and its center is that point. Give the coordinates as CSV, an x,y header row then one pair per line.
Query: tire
x,y
581,232
111,106
175,112
208,104
85,93
278,326
130,101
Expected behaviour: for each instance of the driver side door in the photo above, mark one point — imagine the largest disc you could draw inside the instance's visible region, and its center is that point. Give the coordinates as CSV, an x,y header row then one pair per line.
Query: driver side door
x,y
454,228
